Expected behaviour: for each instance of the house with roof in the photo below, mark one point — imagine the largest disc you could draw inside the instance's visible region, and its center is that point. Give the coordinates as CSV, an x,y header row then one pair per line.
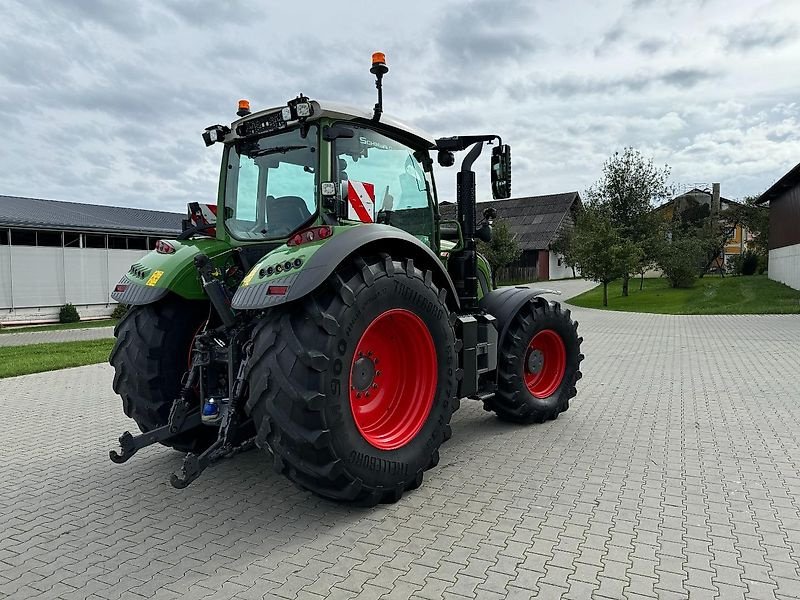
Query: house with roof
x,y
52,253
783,199
536,222
706,202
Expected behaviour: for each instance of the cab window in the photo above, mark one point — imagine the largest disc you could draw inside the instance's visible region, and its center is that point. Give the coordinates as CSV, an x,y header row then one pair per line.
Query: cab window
x,y
383,181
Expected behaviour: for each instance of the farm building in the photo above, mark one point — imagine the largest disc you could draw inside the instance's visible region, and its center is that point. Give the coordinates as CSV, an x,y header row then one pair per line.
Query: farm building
x,y
52,253
784,228
536,222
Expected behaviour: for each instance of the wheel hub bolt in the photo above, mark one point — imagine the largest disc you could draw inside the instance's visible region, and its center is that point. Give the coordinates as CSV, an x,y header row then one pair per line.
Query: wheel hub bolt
x,y
535,361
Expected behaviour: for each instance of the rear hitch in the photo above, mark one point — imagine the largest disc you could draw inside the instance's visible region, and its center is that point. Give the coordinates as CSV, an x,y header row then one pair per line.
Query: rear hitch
x,y
180,420
229,440
227,445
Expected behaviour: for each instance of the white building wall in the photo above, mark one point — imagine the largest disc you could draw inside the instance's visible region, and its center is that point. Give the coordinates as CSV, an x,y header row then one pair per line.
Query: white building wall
x,y
557,271
5,276
35,281
784,265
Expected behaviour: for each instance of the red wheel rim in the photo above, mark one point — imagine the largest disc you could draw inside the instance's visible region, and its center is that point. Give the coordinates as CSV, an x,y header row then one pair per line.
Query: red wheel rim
x,y
545,363
393,379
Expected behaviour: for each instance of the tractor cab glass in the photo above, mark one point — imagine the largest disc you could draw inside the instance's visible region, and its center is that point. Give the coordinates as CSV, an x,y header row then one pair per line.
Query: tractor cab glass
x,y
270,188
383,181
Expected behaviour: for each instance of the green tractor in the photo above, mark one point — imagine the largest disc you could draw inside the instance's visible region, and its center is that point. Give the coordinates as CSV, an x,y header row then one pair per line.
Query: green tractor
x,y
323,311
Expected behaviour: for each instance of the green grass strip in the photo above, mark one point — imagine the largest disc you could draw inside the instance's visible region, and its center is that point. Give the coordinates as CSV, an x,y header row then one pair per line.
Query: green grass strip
x,y
36,358
711,295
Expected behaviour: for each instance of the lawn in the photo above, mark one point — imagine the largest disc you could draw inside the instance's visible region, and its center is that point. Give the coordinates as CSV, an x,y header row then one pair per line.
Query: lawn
x,y
711,295
21,360
60,326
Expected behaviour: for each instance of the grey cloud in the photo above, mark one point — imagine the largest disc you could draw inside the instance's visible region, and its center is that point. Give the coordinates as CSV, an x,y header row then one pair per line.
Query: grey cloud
x,y
485,31
761,34
651,46
686,78
570,86
128,19
611,38
203,13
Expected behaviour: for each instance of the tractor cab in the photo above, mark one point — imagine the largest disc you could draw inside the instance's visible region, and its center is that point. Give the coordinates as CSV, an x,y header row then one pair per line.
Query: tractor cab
x,y
332,165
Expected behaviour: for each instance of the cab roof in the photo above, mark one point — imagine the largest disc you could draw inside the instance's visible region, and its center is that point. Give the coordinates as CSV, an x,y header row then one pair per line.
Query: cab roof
x,y
335,110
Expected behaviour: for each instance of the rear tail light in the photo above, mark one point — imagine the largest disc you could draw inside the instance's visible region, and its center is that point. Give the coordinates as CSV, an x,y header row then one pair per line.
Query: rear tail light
x,y
120,287
164,247
277,290
311,234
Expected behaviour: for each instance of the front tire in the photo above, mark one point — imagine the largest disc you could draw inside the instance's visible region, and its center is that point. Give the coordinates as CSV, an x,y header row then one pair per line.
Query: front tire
x,y
150,355
352,389
538,364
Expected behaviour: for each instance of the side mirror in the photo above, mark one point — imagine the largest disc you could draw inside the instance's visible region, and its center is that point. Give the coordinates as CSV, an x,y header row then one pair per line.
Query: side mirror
x,y
484,232
490,214
501,172
446,158
333,132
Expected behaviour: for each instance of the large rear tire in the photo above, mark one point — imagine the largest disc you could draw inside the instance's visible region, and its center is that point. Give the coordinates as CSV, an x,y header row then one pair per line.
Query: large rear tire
x,y
352,388
538,364
150,356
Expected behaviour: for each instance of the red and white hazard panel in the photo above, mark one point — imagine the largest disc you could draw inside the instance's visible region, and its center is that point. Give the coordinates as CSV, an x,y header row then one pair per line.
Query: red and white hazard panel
x,y
361,201
203,214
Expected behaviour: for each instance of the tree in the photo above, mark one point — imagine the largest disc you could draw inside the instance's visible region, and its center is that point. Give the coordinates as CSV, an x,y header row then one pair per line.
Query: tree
x,y
709,234
755,219
564,245
629,188
678,258
502,250
601,251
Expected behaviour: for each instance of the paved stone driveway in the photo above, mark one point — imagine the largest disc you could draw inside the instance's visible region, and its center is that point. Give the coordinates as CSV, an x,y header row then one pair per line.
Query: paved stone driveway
x,y
673,475
27,338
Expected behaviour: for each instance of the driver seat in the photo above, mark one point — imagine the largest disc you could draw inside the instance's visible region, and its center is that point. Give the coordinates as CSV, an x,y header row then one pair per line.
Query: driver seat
x,y
286,212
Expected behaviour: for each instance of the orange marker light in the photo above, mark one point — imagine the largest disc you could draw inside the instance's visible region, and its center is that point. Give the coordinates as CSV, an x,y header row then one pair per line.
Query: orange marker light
x,y
244,104
378,57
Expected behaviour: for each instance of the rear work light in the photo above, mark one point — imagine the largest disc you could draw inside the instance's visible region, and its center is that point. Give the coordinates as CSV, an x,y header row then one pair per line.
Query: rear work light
x,y
164,247
311,234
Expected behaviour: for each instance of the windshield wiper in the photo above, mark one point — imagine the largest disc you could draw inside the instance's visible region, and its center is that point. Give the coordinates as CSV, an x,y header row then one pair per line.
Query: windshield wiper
x,y
274,150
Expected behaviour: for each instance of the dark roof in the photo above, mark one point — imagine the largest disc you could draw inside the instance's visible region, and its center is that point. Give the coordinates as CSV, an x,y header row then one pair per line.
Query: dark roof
x,y
535,220
791,179
698,191
35,213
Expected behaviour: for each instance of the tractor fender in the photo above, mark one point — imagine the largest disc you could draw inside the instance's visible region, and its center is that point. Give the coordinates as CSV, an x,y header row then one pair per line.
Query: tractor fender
x,y
504,303
155,275
364,239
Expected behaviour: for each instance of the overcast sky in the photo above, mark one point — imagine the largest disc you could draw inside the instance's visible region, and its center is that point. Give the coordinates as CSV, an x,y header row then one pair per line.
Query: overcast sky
x,y
104,101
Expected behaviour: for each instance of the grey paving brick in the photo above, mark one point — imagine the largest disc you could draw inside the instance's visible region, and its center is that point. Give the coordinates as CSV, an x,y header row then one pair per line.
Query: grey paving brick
x,y
670,476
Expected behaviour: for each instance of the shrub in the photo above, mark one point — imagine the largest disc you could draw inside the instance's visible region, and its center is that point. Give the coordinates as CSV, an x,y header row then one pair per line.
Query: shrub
x,y
120,310
68,314
746,263
678,261
763,263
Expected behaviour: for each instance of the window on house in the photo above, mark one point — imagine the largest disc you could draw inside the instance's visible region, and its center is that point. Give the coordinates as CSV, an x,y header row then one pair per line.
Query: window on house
x,y
48,238
23,237
72,239
117,242
3,237
95,241
137,243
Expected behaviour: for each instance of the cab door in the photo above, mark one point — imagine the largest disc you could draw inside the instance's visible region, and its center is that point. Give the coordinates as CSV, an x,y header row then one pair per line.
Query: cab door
x,y
385,181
